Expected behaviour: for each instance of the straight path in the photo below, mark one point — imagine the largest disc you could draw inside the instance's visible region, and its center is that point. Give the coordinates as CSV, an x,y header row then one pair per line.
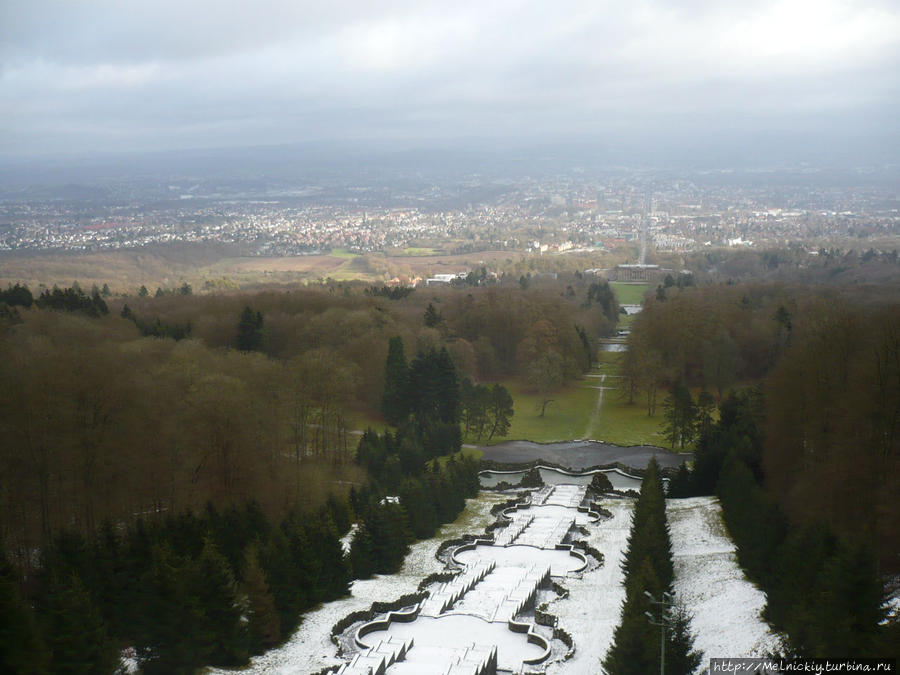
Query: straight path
x,y
595,416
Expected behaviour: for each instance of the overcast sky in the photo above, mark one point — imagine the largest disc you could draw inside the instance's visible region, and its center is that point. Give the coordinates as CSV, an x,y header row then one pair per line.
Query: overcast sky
x,y
82,76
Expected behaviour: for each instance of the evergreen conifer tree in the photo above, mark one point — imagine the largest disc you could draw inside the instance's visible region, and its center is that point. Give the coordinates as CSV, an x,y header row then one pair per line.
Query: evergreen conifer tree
x,y
74,630
263,624
681,657
168,639
682,485
362,553
283,579
432,318
395,401
635,647
220,633
22,648
250,331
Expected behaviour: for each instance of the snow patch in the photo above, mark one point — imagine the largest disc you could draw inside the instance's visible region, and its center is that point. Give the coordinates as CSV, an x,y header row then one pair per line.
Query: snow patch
x,y
726,607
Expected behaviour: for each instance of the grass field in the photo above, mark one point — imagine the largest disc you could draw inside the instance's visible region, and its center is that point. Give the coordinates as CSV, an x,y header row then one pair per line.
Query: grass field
x,y
565,419
574,413
618,421
629,294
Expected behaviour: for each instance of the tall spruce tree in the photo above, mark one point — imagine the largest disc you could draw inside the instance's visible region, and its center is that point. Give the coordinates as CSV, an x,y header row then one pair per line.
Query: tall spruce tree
x,y
395,401
167,638
431,318
250,330
221,633
635,646
262,618
74,630
648,569
22,648
434,395
362,553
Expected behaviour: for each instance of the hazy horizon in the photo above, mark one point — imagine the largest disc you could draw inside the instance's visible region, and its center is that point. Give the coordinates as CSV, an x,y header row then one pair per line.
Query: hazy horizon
x,y
661,82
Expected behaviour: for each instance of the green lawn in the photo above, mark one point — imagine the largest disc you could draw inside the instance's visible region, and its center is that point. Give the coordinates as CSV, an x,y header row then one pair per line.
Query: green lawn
x,y
625,424
566,418
619,422
574,413
629,294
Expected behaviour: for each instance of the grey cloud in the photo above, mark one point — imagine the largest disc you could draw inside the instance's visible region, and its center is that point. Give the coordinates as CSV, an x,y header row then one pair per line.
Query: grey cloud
x,y
83,75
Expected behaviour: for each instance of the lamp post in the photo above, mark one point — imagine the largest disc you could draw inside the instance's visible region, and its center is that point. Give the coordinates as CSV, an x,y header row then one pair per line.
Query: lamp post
x,y
665,621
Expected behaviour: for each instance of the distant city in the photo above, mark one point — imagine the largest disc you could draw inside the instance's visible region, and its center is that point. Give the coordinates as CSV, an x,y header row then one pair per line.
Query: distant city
x,y
555,213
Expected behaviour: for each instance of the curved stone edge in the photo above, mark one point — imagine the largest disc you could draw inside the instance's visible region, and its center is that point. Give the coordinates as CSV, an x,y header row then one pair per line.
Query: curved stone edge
x,y
471,546
594,516
400,616
532,637
575,554
377,608
411,615
550,466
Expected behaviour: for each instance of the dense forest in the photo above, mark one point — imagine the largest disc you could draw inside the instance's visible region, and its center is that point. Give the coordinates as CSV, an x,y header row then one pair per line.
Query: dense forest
x,y
164,404
177,460
805,456
159,439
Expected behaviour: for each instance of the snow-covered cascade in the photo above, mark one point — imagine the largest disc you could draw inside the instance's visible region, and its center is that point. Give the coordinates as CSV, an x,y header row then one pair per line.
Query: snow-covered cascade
x,y
443,599
475,613
514,530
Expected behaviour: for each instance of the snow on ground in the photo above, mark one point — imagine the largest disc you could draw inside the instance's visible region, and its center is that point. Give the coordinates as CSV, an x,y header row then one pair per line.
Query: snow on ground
x,y
725,605
591,612
310,648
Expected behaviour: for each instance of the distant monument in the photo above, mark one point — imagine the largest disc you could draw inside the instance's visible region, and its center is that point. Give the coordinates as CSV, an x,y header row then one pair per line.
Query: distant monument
x,y
637,273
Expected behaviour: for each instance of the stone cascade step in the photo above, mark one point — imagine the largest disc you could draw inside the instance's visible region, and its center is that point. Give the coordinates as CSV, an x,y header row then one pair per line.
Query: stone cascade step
x,y
477,660
484,599
546,532
508,535
439,660
570,496
542,495
376,660
522,595
448,594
